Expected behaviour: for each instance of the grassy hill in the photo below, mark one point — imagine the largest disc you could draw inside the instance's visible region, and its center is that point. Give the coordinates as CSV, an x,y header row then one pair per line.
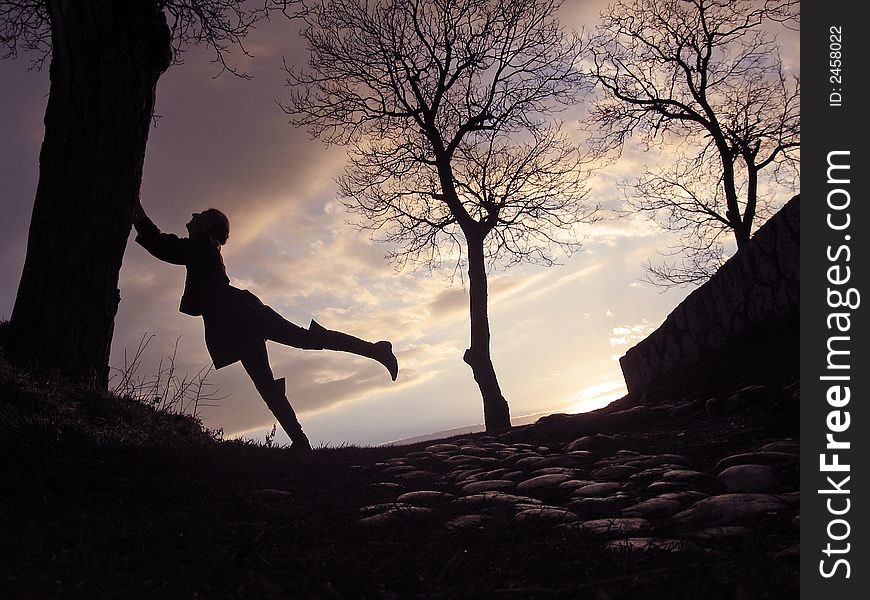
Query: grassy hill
x,y
104,497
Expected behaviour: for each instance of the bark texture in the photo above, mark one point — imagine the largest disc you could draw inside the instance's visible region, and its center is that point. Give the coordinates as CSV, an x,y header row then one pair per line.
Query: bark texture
x,y
106,59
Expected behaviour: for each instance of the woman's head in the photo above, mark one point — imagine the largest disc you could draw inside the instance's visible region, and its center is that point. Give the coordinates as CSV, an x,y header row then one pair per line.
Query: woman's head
x,y
211,221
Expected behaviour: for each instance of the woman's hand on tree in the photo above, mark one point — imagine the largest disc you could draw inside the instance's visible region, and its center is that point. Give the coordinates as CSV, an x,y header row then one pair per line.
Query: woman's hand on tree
x,y
138,211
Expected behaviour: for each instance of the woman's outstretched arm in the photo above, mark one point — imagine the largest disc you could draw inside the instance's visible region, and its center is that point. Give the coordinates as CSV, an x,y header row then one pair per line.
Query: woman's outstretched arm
x,y
165,246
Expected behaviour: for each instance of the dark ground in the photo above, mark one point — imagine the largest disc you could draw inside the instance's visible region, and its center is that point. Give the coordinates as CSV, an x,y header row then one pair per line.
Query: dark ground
x,y
104,498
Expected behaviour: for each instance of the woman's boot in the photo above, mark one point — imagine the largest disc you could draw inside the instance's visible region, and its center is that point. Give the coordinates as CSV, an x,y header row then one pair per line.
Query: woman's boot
x,y
280,407
335,340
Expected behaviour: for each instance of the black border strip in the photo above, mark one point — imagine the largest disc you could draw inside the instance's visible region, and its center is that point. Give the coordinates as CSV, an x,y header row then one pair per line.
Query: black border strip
x,y
833,112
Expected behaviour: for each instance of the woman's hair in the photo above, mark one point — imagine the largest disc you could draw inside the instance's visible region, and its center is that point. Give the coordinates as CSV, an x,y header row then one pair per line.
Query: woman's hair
x,y
218,225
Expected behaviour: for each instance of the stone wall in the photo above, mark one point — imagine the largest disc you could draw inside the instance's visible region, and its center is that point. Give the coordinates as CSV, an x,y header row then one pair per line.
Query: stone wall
x,y
756,290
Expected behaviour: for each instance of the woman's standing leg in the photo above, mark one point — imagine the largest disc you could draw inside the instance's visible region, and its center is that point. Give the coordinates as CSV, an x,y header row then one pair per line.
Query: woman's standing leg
x,y
256,362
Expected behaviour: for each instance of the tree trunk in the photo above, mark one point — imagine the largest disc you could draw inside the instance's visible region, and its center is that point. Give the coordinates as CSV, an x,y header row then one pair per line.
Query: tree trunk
x,y
741,234
739,225
495,408
751,197
106,59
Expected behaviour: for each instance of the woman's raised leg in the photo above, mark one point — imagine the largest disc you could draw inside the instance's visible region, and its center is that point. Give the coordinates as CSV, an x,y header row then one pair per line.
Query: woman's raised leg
x,y
317,337
256,363
336,340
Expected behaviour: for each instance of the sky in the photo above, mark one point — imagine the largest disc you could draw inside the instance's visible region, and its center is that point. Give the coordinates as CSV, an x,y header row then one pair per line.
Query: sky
x,y
223,142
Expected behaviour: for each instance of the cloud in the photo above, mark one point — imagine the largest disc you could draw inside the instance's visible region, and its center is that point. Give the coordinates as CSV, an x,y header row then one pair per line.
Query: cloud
x,y
449,302
623,335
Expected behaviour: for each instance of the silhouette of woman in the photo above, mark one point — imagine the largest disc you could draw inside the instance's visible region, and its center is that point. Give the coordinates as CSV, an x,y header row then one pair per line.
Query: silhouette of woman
x,y
237,323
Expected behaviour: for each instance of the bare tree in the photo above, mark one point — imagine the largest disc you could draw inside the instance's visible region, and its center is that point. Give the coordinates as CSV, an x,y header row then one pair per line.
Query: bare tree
x,y
106,58
705,79
445,106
